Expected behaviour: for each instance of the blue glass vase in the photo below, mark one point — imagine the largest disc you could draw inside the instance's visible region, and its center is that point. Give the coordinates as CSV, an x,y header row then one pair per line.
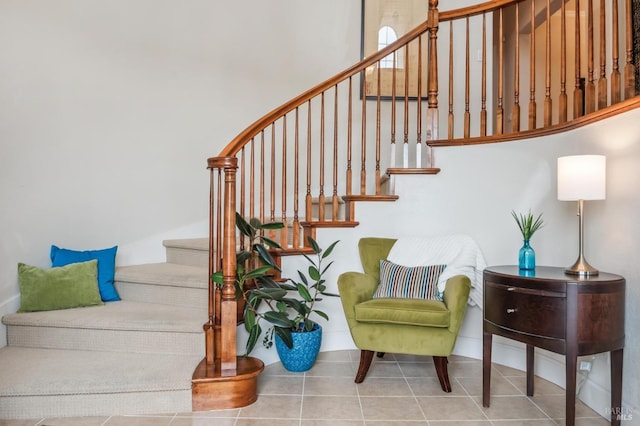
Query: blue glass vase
x,y
527,257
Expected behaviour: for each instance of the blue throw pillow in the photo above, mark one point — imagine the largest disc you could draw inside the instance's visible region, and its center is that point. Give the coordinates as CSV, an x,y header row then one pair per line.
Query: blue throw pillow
x,y
106,266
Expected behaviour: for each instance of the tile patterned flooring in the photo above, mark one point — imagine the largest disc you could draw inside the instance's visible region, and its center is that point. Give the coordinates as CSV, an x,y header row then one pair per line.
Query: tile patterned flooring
x,y
399,390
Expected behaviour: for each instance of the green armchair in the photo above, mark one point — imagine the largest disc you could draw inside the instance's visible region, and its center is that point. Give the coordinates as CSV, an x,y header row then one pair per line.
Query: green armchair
x,y
405,326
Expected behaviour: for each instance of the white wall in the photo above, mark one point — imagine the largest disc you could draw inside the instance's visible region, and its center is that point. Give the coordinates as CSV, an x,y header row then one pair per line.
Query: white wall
x,y
109,109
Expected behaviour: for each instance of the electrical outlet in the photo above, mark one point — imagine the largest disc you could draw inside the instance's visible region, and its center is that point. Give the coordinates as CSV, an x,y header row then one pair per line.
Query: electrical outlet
x,y
585,365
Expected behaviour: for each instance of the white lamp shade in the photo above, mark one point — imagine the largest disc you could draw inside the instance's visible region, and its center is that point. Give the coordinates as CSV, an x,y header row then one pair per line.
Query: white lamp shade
x,y
581,177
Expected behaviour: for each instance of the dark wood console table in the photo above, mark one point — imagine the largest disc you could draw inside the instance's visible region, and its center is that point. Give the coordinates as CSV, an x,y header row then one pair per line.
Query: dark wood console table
x,y
562,313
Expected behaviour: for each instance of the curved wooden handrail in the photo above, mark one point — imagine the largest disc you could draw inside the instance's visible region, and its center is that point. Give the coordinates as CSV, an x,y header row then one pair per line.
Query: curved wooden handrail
x,y
469,11
241,139
602,114
256,127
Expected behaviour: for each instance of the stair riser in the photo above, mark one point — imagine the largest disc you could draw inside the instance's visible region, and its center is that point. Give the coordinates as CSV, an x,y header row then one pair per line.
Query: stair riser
x,y
328,210
186,256
154,342
153,402
166,295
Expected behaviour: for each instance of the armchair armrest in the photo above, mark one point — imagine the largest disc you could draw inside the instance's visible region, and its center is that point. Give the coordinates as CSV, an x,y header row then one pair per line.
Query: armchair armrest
x,y
354,288
456,295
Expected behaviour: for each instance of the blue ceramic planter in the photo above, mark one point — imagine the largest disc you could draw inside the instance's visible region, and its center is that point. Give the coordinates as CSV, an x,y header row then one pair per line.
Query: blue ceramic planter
x,y
306,347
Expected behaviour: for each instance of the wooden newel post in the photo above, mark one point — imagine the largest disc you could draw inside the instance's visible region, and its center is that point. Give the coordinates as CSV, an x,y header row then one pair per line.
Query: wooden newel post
x,y
228,308
432,89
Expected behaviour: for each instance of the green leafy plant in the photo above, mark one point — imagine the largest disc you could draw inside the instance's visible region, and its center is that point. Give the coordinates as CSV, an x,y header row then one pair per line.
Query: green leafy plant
x,y
528,226
286,305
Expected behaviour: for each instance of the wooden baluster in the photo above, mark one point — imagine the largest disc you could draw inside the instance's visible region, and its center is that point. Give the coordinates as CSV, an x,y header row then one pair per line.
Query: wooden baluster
x,y
590,89
272,183
500,108
228,308
321,200
308,197
252,178
532,70
578,106
515,123
467,114
363,139
548,106
562,113
616,95
284,231
295,236
243,168
602,81
432,111
263,182
419,108
378,126
393,160
405,141
450,117
483,108
629,68
378,145
334,199
349,183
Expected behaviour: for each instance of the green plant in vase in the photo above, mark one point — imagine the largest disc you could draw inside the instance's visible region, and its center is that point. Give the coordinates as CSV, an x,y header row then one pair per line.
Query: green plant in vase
x,y
528,226
287,305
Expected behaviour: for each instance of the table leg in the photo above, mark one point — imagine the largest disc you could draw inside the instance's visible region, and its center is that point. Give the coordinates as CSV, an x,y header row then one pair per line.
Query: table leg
x,y
616,387
530,375
486,368
570,392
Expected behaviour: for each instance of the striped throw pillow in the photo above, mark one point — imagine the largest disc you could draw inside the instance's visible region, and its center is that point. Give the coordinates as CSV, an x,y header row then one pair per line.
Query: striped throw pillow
x,y
408,282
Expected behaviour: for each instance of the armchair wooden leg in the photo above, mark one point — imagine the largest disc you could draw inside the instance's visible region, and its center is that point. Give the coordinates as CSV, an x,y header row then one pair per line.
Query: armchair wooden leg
x,y
365,362
442,371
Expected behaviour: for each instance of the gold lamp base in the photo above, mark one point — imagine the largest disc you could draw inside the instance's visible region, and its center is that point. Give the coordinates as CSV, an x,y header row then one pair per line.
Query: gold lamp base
x,y
582,268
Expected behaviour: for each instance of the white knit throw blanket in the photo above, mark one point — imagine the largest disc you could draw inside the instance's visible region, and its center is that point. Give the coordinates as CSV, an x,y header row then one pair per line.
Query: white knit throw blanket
x,y
459,252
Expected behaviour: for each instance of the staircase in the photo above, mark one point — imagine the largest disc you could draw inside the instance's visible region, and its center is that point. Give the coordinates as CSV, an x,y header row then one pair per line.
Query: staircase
x,y
333,142
135,356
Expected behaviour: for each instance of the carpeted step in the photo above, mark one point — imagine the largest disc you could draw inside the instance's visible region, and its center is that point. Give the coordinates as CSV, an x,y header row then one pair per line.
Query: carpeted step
x,y
164,283
188,251
38,383
123,326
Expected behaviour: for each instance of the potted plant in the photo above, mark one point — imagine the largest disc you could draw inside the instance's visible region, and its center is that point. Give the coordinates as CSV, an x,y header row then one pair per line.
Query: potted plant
x,y
287,305
528,226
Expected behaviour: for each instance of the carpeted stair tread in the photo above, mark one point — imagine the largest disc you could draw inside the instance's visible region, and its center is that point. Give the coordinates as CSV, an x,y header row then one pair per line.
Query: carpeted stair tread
x,y
122,315
167,274
36,371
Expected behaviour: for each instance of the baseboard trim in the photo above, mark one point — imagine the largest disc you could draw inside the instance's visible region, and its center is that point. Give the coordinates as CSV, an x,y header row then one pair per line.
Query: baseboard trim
x,y
9,306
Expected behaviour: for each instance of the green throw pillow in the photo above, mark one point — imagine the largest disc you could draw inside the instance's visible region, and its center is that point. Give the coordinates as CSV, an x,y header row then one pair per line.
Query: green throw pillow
x,y
63,287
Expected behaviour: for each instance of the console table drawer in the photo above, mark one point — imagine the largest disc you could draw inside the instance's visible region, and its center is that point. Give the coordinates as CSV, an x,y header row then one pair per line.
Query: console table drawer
x,y
535,312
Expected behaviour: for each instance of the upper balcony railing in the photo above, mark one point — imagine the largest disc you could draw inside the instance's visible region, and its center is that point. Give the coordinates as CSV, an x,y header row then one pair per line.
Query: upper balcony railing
x,y
511,69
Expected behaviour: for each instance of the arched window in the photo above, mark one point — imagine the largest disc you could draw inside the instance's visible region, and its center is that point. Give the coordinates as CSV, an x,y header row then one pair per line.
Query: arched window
x,y
386,36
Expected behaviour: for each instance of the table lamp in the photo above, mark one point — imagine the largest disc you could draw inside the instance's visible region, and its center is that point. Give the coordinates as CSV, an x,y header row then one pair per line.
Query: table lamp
x,y
580,178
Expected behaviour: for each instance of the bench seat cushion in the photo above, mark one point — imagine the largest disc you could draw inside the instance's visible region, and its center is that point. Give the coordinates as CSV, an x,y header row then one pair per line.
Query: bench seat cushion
x,y
419,312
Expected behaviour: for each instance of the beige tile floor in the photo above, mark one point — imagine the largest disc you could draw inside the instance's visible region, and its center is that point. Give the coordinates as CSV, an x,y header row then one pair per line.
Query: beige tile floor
x,y
399,390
